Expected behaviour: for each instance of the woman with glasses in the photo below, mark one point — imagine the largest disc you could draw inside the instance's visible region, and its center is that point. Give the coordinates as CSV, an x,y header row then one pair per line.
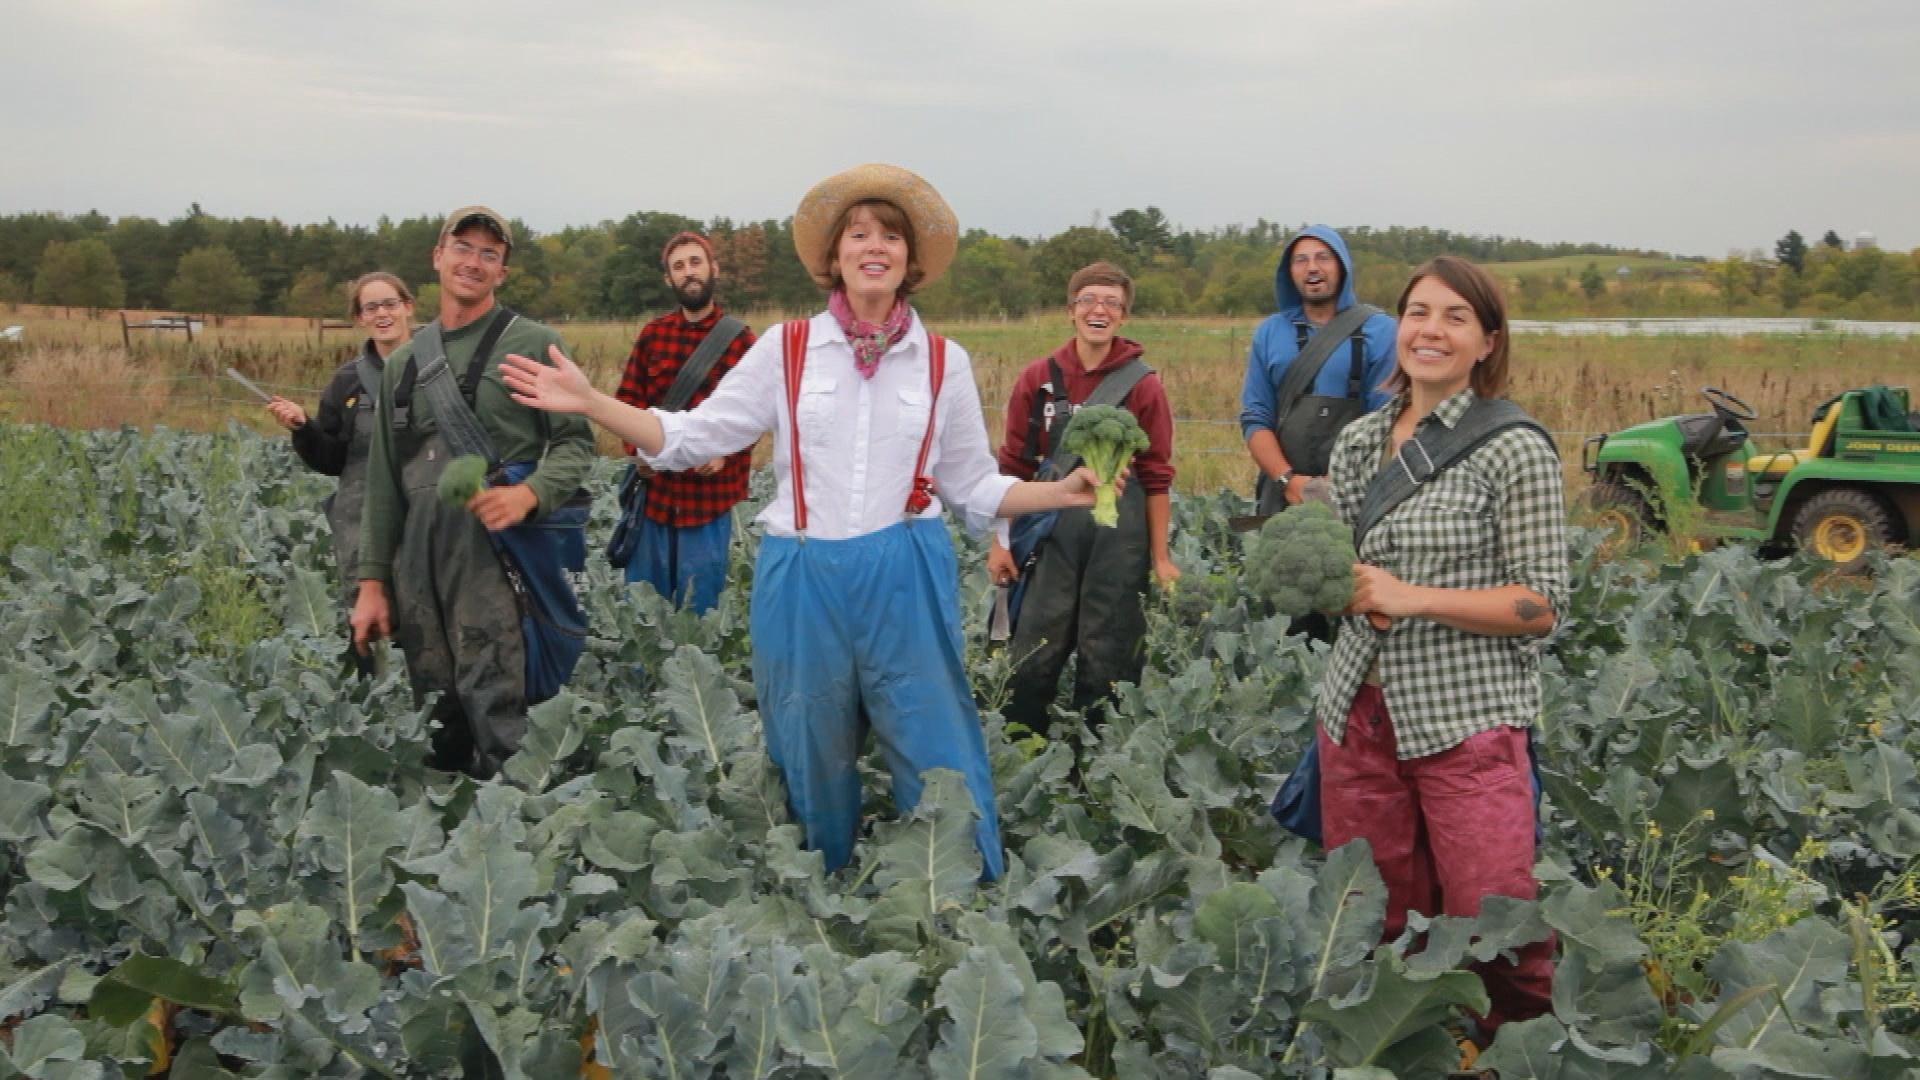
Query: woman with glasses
x,y
335,441
1085,586
876,423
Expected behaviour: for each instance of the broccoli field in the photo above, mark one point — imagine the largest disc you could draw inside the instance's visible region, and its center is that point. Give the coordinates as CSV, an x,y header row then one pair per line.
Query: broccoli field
x,y
224,856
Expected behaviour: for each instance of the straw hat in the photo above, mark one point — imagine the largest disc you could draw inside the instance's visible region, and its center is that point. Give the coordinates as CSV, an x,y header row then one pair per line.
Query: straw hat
x,y
936,232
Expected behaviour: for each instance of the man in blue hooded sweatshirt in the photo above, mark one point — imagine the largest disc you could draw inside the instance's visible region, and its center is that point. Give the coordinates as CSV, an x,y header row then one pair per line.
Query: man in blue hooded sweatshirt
x,y
1302,385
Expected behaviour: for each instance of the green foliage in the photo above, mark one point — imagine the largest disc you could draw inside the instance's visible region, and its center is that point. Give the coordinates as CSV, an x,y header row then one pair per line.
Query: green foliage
x,y
79,273
1302,561
245,834
462,479
1105,437
211,279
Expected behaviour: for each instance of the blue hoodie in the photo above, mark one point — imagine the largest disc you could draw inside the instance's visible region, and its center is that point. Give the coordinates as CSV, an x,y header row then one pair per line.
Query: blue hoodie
x,y
1275,343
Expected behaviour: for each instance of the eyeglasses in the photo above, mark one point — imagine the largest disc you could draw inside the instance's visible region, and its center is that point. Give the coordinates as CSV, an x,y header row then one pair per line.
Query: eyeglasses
x,y
375,307
1088,302
1309,258
463,250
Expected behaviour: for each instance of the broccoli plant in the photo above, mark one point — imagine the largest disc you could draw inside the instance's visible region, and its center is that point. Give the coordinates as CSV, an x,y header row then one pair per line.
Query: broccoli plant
x,y
1302,561
462,479
1105,437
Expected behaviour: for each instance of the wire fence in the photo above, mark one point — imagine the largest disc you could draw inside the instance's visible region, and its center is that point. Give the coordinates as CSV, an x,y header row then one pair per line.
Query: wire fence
x,y
218,394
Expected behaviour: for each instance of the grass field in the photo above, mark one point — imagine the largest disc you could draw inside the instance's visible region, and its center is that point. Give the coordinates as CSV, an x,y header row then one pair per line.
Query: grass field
x,y
74,372
1571,265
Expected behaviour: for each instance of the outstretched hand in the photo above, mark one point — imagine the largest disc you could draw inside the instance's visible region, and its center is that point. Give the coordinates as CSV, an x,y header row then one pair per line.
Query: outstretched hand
x,y
1077,486
562,387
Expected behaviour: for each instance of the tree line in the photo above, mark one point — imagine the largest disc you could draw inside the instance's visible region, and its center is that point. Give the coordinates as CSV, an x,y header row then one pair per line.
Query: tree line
x,y
204,263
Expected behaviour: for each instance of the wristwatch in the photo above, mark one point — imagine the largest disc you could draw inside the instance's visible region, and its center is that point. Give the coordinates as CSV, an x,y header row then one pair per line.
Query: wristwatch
x,y
1284,480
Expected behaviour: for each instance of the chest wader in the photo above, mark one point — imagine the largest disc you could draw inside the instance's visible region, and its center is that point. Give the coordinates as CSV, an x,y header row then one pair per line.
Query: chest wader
x,y
863,634
1086,601
345,505
454,614
1086,585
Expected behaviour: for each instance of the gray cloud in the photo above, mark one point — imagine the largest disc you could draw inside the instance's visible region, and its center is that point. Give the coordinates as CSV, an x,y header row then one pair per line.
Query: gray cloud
x,y
1696,127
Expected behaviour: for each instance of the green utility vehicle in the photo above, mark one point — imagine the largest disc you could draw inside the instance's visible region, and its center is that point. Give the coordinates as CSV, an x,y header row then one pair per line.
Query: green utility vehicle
x,y
1853,487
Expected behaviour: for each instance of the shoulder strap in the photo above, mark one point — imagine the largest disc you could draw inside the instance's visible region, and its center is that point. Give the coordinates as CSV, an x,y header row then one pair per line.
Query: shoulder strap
x,y
428,343
693,373
1433,452
793,357
920,496
503,317
369,376
1040,410
1306,365
1113,389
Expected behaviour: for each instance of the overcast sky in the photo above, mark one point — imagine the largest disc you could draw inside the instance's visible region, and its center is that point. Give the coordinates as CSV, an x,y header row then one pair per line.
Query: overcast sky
x,y
1689,127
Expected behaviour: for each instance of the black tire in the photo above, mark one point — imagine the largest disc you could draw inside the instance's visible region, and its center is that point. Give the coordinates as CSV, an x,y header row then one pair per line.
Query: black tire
x,y
1843,524
1623,511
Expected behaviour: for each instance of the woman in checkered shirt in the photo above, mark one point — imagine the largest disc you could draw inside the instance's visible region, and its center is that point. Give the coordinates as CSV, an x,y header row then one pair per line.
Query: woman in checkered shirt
x,y
1425,725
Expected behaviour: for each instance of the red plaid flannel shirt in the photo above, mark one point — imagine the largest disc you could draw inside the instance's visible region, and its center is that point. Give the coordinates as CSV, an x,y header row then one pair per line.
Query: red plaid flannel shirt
x,y
664,345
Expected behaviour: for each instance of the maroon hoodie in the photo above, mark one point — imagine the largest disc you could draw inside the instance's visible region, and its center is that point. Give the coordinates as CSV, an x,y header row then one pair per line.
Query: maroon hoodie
x,y
1147,401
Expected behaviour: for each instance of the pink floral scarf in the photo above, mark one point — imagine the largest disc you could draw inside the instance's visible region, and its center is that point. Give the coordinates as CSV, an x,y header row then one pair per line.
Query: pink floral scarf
x,y
870,341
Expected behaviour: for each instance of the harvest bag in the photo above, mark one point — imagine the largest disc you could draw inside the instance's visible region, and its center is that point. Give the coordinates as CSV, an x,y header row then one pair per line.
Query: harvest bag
x,y
536,556
1029,530
633,487
1296,806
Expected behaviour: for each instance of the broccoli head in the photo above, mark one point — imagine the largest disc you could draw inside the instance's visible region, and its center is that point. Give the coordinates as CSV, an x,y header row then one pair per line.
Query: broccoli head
x,y
1302,561
1105,437
462,479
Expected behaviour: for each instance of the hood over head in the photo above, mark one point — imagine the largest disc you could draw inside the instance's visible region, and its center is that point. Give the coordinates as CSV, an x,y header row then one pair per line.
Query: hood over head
x,y
1283,287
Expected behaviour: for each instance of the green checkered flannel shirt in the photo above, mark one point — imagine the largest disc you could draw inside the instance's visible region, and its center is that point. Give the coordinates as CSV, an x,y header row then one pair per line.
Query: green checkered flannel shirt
x,y
1497,518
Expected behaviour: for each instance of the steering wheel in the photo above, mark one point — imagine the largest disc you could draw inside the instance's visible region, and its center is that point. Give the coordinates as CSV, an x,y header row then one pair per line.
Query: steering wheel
x,y
1728,405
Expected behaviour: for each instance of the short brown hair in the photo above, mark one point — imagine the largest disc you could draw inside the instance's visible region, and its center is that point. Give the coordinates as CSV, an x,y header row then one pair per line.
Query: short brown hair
x,y
1482,293
364,280
1101,273
682,239
891,218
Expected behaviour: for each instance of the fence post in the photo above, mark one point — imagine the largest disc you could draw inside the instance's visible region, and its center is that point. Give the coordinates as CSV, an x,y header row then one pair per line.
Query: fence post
x,y
126,335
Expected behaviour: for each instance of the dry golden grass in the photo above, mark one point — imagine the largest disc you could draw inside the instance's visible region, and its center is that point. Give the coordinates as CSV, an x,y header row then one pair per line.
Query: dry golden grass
x,y
1576,386
85,387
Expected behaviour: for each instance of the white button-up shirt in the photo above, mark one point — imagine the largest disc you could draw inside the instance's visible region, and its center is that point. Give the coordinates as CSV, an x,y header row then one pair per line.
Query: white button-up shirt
x,y
859,437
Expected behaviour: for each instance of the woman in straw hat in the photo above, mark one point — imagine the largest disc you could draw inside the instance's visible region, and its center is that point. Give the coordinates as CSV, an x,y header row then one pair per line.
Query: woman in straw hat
x,y
876,423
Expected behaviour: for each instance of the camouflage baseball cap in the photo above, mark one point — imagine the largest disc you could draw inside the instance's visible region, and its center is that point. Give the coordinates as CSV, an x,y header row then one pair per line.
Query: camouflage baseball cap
x,y
478,215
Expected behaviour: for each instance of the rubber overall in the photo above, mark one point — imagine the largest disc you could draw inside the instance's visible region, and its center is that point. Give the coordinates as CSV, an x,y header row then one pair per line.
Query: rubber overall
x,y
864,632
349,499
1086,600
455,618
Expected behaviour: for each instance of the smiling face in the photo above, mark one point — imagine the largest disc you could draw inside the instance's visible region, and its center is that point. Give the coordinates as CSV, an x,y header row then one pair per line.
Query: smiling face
x,y
1098,312
383,313
1315,270
471,264
873,256
690,274
1440,338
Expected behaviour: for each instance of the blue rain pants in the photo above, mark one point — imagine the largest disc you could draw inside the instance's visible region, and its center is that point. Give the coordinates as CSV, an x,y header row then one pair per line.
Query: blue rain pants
x,y
685,563
858,632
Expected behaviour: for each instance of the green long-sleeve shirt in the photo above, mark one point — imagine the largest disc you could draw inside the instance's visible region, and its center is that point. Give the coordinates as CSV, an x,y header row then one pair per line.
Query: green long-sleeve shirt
x,y
562,444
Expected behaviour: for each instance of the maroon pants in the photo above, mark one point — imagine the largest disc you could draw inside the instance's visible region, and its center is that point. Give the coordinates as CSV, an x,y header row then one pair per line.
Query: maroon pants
x,y
1446,830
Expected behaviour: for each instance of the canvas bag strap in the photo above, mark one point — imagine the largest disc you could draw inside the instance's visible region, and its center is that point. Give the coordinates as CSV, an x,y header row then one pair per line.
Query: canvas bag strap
x,y
1433,452
1306,365
793,356
693,374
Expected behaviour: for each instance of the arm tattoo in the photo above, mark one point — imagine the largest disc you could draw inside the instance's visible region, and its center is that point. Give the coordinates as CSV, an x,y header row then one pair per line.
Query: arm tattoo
x,y
1529,609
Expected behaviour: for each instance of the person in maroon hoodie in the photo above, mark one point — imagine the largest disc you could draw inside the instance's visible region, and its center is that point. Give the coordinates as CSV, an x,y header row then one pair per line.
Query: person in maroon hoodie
x,y
1085,596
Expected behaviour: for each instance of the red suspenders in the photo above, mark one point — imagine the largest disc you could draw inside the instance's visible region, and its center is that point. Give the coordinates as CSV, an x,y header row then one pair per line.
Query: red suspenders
x,y
794,362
